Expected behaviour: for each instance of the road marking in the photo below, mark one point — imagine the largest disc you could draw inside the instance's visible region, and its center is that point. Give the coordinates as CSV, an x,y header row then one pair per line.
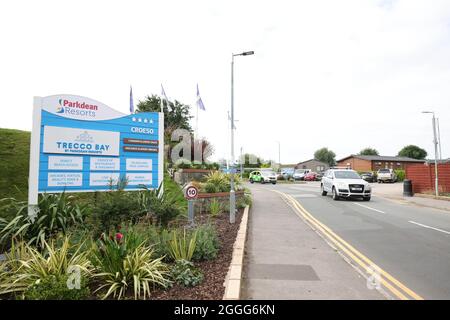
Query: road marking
x,y
354,254
370,208
428,227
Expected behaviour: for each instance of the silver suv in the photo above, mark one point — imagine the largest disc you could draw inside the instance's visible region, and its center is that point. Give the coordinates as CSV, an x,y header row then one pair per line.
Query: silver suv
x,y
385,175
345,183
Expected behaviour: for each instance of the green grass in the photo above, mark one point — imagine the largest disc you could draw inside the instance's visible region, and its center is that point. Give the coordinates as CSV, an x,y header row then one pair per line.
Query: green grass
x,y
14,159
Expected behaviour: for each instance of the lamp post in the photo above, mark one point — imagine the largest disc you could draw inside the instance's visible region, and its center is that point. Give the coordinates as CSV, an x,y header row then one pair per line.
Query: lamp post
x,y
435,142
232,192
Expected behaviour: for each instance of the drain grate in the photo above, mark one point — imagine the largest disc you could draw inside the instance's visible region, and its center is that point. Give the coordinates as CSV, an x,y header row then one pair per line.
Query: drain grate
x,y
298,272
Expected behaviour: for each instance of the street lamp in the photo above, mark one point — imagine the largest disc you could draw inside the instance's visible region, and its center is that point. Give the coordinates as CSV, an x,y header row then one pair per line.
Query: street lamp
x,y
232,192
435,142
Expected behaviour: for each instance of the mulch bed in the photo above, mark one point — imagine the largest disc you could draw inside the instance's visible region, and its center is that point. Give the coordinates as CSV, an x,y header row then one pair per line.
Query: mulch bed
x,y
214,271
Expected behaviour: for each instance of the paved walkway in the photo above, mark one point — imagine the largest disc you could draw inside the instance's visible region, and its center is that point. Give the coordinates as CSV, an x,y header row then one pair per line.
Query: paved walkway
x,y
394,191
286,259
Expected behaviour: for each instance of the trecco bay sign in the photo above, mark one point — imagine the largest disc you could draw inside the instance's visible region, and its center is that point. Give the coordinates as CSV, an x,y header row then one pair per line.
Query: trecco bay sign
x,y
81,145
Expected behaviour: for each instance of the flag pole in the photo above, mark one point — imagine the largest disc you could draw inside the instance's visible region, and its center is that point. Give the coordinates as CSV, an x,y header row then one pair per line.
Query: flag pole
x,y
196,125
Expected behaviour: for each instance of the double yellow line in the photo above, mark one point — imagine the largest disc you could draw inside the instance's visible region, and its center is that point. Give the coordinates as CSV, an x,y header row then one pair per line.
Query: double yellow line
x,y
369,267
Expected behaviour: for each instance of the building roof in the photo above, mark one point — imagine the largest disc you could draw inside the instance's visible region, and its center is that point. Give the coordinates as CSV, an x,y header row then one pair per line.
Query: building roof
x,y
442,161
382,158
312,160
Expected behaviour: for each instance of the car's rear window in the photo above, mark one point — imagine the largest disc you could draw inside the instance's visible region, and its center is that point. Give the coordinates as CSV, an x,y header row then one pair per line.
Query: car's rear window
x,y
384,171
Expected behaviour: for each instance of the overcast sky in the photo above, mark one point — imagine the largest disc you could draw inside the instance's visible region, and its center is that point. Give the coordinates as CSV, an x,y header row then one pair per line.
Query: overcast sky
x,y
338,74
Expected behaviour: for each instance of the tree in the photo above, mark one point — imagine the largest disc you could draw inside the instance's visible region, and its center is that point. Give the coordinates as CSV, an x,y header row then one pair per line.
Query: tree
x,y
412,151
326,156
176,114
369,152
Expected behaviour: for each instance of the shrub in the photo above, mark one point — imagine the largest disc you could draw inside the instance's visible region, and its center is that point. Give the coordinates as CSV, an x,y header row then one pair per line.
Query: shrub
x,y
164,208
26,266
401,175
124,262
57,212
53,288
113,208
215,207
186,274
207,243
182,246
183,164
244,201
210,187
219,180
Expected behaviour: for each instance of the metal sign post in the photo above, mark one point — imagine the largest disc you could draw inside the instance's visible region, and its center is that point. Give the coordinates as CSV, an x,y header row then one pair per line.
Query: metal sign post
x,y
191,193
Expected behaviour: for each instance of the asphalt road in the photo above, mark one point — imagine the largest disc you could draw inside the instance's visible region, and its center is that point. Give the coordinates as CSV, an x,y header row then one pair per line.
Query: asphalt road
x,y
411,243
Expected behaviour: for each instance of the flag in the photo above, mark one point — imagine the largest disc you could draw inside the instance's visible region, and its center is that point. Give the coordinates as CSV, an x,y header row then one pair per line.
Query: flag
x,y
131,101
199,101
163,95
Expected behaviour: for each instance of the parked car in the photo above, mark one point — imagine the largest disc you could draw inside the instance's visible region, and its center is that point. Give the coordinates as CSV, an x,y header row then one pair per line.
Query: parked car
x,y
263,176
299,174
386,175
345,183
368,176
310,176
319,175
287,173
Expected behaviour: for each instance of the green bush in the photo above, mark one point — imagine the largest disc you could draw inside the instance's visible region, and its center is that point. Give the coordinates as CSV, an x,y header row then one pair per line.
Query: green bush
x,y
53,288
182,245
215,207
57,213
26,266
186,274
124,262
210,187
207,246
163,208
243,201
113,208
401,175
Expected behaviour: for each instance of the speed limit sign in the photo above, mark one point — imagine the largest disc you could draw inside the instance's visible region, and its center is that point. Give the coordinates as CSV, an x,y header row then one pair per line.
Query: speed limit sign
x,y
191,192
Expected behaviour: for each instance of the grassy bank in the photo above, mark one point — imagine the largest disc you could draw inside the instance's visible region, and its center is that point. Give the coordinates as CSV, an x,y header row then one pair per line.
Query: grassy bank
x,y
14,160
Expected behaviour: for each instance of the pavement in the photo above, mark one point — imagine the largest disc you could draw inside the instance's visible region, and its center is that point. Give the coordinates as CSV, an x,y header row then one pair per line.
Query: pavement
x,y
394,191
408,242
286,259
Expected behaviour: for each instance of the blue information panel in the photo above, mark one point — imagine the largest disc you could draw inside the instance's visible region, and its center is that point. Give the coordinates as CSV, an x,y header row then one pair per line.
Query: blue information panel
x,y
83,145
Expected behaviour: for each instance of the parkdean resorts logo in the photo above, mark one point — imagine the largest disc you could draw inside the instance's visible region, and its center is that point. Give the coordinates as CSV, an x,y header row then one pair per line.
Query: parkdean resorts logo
x,y
76,108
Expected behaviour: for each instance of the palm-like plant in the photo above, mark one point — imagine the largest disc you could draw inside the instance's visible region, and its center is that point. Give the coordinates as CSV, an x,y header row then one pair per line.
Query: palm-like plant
x,y
182,247
27,266
57,212
124,264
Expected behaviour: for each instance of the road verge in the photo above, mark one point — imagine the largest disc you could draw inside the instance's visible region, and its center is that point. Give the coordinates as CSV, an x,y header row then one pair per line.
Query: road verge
x,y
233,279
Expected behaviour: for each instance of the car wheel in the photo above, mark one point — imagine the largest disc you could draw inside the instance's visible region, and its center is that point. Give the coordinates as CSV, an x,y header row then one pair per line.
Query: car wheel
x,y
379,181
251,181
335,195
262,181
324,193
366,198
274,182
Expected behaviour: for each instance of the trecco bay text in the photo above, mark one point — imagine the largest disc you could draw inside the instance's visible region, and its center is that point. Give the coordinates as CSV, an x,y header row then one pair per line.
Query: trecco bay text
x,y
87,148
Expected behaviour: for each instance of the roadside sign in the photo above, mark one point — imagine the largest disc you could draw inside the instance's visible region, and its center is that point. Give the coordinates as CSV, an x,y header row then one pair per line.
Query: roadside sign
x,y
81,145
191,192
